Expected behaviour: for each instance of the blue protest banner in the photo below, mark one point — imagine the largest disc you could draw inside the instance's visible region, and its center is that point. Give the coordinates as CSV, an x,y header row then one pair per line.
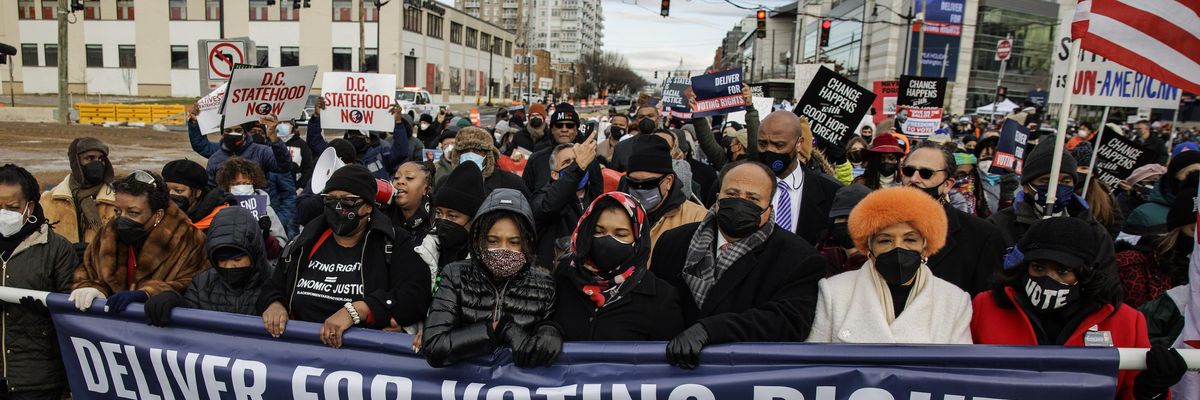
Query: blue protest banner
x,y
1010,151
223,356
718,93
257,204
674,96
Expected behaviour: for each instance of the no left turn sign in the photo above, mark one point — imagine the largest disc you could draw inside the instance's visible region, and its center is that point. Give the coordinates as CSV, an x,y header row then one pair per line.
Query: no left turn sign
x,y
222,56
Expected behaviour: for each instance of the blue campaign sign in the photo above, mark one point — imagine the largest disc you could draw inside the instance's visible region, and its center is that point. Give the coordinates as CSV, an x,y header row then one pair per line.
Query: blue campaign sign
x,y
943,37
1010,151
257,204
215,355
718,93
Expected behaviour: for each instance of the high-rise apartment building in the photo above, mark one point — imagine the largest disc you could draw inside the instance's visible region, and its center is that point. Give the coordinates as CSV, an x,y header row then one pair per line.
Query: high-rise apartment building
x,y
567,29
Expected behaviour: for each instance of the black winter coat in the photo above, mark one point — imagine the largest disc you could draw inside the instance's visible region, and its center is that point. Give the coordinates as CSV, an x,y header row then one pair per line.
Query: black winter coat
x,y
43,261
525,140
459,325
232,227
391,288
556,208
974,251
1015,220
651,311
769,295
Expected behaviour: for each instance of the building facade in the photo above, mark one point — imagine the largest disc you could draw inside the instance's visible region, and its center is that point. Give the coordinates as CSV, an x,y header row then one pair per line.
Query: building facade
x,y
1033,25
149,47
567,29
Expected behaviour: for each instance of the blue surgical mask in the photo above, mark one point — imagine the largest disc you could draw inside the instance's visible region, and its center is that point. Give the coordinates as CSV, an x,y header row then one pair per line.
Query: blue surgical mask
x,y
471,157
283,129
1062,196
582,181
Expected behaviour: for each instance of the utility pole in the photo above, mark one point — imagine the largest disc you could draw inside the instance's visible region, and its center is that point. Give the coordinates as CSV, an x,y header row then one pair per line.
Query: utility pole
x,y
63,106
921,39
491,52
362,35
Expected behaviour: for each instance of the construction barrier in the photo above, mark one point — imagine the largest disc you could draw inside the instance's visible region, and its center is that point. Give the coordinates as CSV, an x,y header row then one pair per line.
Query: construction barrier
x,y
90,113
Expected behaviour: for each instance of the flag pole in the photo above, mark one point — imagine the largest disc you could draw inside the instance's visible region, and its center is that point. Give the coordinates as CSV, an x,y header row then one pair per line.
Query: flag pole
x,y
1087,182
1064,111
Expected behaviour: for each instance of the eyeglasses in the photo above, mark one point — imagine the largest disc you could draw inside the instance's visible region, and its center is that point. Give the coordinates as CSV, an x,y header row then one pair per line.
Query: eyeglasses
x,y
644,184
342,203
566,125
926,173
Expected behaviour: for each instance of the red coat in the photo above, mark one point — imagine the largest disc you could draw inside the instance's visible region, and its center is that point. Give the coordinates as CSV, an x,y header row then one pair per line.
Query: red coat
x,y
992,324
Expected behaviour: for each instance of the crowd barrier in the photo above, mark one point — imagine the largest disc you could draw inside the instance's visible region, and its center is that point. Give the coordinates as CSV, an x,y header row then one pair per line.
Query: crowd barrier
x,y
216,355
100,113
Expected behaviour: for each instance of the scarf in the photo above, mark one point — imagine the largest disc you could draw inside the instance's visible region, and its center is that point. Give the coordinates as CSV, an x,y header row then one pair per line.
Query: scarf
x,y
885,293
85,202
602,291
703,269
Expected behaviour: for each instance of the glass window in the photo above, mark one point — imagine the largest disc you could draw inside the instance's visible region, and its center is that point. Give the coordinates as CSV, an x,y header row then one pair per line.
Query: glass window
x,y
212,10
433,26
412,19
456,33
125,9
179,57
455,81
289,56
484,41
178,10
127,56
26,9
29,54
342,10
50,51
372,11
287,12
259,10
372,60
91,9
342,59
472,38
262,55
95,55
49,10
507,48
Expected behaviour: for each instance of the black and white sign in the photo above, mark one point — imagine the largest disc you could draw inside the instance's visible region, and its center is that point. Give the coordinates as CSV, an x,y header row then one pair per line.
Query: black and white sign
x,y
833,106
1117,158
916,91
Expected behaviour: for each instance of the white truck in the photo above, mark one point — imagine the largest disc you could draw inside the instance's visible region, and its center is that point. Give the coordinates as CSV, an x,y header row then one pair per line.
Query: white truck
x,y
418,100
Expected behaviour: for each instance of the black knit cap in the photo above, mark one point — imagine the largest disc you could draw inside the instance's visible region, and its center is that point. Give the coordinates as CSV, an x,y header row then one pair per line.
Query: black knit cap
x,y
564,111
1183,209
1038,163
354,179
185,172
462,190
1179,162
1068,241
650,154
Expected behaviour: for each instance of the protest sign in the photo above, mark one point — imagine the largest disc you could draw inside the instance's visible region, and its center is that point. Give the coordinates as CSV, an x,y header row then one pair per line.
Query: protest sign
x,y
209,117
921,92
431,155
207,354
1010,151
718,93
1100,82
674,96
833,106
761,104
257,204
259,92
885,99
358,101
919,122
1117,157
938,50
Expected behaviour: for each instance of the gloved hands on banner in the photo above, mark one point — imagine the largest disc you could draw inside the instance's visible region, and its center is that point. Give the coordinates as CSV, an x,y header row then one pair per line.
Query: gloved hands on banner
x,y
507,333
158,308
541,349
83,297
34,305
684,350
120,300
1164,368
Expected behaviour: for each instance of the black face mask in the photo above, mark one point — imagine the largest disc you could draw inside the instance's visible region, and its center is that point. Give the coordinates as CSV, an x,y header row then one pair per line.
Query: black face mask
x,y
934,192
451,236
841,235
646,126
888,169
1191,180
778,163
1048,295
360,144
233,143
738,217
536,122
898,266
616,133
130,231
342,223
93,172
260,139
854,156
181,201
236,277
608,254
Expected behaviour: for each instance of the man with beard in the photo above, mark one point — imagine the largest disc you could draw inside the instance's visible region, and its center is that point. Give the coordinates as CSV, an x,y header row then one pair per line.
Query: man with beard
x,y
564,129
575,181
804,196
85,200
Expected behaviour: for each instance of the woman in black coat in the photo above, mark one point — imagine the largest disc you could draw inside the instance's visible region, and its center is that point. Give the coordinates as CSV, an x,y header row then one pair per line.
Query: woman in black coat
x,y
605,291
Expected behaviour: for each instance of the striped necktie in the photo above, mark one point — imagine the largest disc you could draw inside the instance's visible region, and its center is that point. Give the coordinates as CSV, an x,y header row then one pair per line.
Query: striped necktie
x,y
783,208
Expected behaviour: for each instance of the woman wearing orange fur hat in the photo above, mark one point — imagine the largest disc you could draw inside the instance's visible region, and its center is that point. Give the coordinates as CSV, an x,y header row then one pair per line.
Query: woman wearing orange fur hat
x,y
894,297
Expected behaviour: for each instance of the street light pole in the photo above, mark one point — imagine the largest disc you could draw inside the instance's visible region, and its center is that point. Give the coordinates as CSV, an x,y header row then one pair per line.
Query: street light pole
x,y
491,52
63,89
921,39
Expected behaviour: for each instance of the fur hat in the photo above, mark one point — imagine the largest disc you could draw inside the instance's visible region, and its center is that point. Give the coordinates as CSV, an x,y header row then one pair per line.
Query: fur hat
x,y
473,138
886,207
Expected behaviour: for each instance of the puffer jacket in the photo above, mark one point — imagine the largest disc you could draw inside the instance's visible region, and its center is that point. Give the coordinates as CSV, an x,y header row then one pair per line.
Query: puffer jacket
x,y
232,227
469,300
43,261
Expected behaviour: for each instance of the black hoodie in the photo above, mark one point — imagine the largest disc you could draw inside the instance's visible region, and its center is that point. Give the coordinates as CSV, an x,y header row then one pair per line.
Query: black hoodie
x,y
232,227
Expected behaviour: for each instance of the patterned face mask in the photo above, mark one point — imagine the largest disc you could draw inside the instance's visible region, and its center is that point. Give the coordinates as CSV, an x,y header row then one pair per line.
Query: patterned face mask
x,y
503,263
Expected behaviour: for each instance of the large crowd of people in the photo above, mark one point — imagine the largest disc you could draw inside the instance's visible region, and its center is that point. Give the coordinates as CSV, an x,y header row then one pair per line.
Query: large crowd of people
x,y
632,225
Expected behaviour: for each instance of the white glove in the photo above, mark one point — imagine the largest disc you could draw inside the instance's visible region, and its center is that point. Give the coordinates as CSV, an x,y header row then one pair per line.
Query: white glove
x,y
428,251
83,297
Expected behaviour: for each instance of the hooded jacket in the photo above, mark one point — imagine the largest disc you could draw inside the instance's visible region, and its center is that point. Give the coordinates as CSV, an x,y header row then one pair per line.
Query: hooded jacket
x,y
1015,220
62,208
43,261
169,257
469,300
271,158
233,227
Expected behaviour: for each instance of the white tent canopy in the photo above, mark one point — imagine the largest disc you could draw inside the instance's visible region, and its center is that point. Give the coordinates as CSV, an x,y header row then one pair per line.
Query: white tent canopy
x,y
1002,108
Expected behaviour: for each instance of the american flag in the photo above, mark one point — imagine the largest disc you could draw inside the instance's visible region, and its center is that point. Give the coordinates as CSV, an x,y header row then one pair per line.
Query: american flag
x,y
1159,38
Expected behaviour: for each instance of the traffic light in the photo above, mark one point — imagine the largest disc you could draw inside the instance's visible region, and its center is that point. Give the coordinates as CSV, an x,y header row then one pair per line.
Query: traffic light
x,y
306,4
825,25
655,74
761,30
666,8
77,5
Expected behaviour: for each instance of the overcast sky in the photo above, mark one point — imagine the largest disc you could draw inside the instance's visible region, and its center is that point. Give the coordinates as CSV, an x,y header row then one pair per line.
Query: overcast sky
x,y
693,31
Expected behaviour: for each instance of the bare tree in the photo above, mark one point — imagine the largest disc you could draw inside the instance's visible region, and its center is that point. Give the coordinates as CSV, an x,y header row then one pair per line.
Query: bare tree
x,y
608,71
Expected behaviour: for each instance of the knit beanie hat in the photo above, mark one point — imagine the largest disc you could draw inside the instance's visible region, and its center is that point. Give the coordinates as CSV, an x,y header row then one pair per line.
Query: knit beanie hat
x,y
564,112
1182,211
1038,163
462,190
965,159
344,150
1181,161
650,154
537,108
1068,241
185,172
886,207
885,144
1184,147
354,179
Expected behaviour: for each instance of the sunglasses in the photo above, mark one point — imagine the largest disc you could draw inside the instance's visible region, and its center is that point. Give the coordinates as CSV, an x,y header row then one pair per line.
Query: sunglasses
x,y
644,184
342,203
144,177
561,125
926,173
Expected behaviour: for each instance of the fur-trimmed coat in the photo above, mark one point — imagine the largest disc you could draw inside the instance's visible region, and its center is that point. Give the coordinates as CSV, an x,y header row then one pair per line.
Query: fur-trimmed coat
x,y
173,253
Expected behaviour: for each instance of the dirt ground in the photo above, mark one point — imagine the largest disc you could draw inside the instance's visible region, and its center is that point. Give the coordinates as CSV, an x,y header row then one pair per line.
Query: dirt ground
x,y
42,148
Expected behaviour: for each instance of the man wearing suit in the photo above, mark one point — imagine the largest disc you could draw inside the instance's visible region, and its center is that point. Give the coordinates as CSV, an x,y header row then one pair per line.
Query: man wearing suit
x,y
740,277
803,197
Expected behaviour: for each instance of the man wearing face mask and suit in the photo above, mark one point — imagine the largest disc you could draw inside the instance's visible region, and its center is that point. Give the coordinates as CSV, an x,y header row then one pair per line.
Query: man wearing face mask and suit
x,y
741,277
84,201
804,196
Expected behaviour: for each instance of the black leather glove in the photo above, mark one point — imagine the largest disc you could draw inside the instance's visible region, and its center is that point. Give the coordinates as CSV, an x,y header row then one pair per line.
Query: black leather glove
x,y
541,349
1164,368
158,308
119,300
684,350
80,249
34,306
264,223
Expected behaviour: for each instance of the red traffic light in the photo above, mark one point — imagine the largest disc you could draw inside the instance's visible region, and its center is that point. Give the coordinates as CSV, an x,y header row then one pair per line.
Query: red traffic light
x,y
826,24
761,15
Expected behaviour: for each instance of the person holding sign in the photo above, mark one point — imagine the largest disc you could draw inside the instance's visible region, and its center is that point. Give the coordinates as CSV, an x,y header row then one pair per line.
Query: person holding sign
x,y
235,142
244,181
369,150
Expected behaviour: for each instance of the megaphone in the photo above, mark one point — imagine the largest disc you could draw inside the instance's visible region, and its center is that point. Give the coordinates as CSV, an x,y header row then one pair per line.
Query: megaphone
x,y
384,192
326,164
